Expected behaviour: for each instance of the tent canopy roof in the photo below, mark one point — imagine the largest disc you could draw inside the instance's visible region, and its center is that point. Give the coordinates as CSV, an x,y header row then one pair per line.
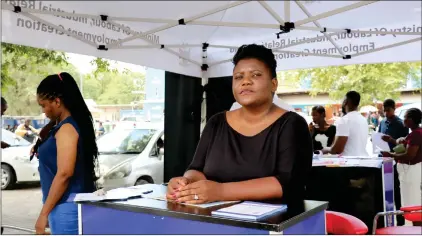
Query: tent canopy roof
x,y
171,35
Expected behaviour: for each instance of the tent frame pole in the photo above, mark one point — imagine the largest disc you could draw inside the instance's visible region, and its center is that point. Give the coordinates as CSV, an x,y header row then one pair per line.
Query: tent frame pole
x,y
179,22
334,12
62,30
272,12
316,23
287,10
154,44
388,47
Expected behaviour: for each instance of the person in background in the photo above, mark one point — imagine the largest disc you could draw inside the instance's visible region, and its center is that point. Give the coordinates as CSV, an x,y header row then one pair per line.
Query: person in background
x,y
100,130
256,152
322,133
351,129
375,120
26,131
409,165
67,156
3,110
393,128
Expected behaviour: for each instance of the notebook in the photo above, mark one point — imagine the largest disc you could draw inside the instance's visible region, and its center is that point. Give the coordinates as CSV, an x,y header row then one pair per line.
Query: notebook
x,y
247,210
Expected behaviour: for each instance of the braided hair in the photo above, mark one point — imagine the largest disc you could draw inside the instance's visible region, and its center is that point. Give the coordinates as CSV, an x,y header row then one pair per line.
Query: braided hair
x,y
64,87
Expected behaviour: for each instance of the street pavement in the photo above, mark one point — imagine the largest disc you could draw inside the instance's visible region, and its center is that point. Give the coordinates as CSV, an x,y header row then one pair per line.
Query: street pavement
x,y
21,207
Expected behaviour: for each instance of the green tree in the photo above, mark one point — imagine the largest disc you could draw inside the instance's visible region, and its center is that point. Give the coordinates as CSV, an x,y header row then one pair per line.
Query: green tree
x,y
24,58
21,94
120,87
375,82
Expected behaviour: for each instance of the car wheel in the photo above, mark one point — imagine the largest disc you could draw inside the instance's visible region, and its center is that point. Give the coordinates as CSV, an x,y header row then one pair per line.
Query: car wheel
x,y
144,180
8,177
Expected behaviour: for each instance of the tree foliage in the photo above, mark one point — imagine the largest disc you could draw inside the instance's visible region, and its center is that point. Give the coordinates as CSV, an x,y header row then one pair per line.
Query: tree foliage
x,y
375,82
113,87
24,58
23,68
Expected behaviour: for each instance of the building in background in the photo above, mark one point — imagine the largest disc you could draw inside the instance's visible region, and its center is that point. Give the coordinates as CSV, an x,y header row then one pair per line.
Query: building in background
x,y
154,95
301,100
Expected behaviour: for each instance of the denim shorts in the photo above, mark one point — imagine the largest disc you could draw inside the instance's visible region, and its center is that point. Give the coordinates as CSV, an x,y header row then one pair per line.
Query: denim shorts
x,y
63,219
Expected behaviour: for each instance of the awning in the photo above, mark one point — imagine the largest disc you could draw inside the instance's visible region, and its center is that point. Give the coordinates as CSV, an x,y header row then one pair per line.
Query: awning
x,y
190,37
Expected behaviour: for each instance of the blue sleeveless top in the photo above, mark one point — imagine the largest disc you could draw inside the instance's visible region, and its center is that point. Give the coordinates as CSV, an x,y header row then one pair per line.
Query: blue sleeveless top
x,y
47,154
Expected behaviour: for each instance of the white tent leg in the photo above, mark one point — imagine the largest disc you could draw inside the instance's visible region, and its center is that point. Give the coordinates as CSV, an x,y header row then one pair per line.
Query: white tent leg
x,y
204,106
204,83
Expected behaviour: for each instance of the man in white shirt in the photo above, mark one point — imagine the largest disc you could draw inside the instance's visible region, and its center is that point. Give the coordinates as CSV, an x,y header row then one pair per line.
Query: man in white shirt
x,y
351,129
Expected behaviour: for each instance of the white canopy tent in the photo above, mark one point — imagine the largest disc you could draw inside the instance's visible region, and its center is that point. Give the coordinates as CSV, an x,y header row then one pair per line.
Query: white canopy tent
x,y
199,38
171,35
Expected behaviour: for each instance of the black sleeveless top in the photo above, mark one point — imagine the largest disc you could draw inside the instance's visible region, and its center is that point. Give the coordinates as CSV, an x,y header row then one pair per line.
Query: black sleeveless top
x,y
282,150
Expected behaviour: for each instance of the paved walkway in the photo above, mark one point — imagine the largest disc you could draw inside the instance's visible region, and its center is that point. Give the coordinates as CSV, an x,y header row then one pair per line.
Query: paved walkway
x,y
21,207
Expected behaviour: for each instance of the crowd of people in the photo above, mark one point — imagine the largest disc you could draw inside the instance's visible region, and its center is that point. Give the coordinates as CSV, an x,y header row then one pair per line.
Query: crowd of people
x,y
270,149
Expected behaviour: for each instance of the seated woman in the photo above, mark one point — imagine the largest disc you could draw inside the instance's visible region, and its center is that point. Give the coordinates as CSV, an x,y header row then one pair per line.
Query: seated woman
x,y
409,166
322,133
256,152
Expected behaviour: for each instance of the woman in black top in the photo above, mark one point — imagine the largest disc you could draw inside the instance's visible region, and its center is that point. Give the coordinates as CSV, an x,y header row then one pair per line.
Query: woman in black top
x,y
256,152
322,133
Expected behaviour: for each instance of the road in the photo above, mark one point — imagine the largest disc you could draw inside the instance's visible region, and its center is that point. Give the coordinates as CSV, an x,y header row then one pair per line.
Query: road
x,y
21,207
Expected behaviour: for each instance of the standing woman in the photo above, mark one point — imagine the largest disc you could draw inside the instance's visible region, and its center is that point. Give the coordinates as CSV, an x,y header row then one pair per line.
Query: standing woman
x,y
67,155
322,133
409,166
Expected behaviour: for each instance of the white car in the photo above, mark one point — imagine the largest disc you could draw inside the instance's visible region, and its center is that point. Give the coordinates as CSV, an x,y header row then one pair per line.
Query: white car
x,y
15,164
131,157
305,116
402,110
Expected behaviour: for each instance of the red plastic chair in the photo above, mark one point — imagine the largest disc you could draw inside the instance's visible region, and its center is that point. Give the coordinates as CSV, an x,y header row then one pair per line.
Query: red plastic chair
x,y
343,224
410,213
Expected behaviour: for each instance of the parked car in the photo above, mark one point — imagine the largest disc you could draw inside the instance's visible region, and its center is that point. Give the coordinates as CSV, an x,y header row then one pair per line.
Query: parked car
x,y
307,117
402,110
131,156
15,164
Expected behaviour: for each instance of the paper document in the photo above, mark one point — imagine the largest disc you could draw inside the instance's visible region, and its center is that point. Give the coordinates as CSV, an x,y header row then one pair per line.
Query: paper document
x,y
378,144
114,194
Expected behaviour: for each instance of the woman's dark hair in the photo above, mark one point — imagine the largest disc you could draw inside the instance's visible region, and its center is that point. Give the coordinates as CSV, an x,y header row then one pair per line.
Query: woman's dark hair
x,y
63,86
258,52
319,109
415,115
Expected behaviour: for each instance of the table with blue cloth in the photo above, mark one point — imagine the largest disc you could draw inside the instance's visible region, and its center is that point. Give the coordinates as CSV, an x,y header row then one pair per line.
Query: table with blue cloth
x,y
361,187
151,216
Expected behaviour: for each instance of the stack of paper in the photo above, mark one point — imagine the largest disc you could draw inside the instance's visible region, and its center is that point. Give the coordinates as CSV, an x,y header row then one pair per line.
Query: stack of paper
x,y
112,195
250,211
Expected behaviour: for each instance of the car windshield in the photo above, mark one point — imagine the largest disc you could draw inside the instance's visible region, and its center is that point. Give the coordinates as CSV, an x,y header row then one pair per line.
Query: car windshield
x,y
13,139
124,141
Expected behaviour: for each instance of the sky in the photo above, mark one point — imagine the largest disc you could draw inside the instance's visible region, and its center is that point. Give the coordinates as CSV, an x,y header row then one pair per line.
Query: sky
x,y
82,63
